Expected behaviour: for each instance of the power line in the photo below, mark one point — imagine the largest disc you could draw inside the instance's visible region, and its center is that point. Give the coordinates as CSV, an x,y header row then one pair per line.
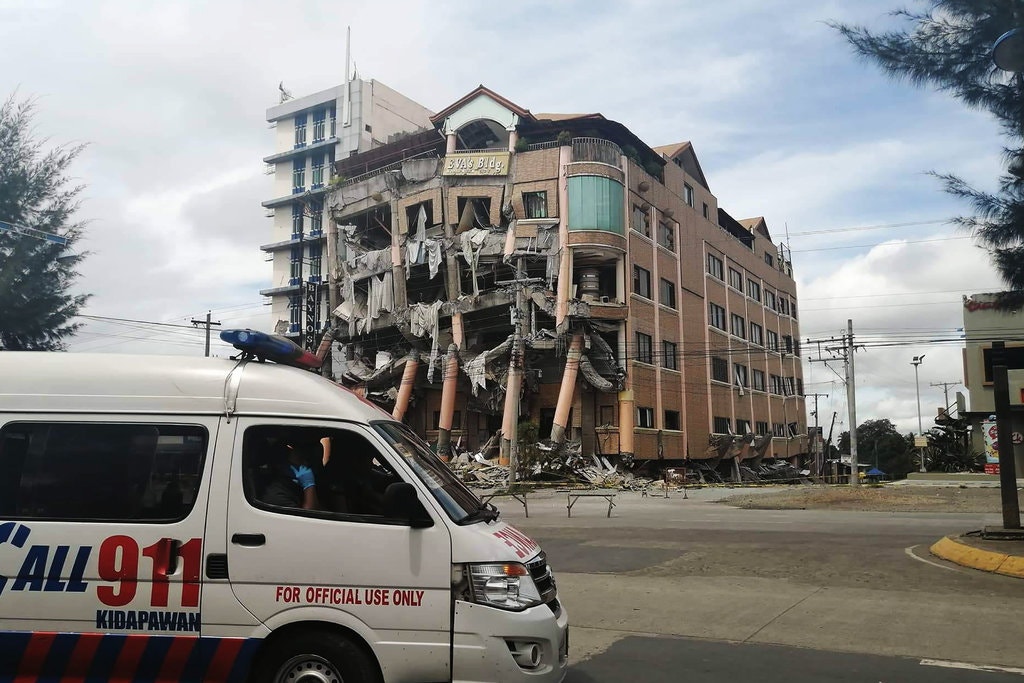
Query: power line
x,y
869,227
882,244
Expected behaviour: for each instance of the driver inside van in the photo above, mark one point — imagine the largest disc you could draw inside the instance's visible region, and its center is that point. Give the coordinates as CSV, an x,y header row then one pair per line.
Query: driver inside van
x,y
293,483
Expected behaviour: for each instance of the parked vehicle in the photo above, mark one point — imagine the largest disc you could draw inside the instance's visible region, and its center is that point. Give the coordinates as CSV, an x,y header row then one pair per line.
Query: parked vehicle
x,y
139,541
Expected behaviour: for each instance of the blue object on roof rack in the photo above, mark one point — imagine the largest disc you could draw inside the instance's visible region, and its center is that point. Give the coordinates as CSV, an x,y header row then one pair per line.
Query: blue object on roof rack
x,y
271,347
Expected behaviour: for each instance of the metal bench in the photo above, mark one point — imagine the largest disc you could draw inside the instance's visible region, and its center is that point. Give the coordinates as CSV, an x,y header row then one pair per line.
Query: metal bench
x,y
572,497
518,495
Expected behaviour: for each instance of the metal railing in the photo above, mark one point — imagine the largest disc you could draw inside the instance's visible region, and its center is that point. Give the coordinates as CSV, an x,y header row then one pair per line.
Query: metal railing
x,y
597,150
542,145
384,169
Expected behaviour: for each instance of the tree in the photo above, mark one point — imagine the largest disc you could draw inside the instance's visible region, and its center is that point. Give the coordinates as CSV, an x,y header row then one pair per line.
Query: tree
x,y
949,46
879,442
949,447
36,307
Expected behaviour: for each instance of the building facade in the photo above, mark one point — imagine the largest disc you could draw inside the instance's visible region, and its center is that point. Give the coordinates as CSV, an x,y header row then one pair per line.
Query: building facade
x,y
986,319
554,276
311,134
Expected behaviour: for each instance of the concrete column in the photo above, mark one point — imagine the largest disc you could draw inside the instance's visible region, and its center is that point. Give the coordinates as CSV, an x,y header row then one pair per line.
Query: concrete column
x,y
412,364
450,147
458,330
513,138
567,390
509,424
627,414
451,374
565,262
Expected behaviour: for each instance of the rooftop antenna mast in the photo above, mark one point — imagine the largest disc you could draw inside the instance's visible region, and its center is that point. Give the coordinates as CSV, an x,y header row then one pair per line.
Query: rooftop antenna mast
x,y
346,105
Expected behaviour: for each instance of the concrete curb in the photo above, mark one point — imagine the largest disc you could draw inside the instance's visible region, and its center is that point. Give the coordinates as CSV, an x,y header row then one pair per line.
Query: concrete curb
x,y
951,549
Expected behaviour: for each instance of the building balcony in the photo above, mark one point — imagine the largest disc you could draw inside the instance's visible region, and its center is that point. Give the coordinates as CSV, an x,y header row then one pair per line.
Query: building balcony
x,y
596,150
284,289
301,151
295,241
288,199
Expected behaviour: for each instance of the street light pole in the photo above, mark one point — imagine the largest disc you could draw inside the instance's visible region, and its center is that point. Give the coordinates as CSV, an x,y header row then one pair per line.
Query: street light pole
x,y
917,383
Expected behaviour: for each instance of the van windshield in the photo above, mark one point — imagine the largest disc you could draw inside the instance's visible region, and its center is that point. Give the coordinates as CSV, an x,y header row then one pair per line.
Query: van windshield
x,y
459,502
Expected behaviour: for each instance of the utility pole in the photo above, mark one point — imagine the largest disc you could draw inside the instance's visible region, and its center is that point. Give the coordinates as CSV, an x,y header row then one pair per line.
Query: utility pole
x,y
851,400
818,460
945,392
1004,435
843,348
207,324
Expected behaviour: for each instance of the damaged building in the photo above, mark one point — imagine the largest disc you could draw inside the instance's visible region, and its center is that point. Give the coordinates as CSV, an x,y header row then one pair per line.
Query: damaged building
x,y
502,272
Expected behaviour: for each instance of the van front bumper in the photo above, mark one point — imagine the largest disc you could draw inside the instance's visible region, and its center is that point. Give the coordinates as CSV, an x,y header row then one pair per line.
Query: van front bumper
x,y
486,636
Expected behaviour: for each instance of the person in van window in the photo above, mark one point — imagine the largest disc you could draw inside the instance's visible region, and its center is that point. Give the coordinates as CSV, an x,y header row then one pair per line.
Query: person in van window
x,y
293,483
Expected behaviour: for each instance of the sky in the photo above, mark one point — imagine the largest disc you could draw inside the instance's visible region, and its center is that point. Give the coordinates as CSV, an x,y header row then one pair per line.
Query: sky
x,y
170,98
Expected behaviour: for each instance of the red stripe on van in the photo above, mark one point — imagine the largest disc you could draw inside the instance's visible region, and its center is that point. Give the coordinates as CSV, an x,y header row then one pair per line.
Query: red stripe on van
x,y
128,661
34,656
176,658
224,659
81,657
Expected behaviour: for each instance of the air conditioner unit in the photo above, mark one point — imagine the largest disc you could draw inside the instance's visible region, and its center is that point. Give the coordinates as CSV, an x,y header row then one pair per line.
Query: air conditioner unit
x,y
606,299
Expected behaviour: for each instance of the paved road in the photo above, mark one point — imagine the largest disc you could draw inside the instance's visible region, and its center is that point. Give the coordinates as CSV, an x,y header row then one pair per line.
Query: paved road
x,y
673,587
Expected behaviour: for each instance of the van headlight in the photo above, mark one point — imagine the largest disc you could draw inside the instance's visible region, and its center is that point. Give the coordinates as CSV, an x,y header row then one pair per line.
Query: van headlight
x,y
506,586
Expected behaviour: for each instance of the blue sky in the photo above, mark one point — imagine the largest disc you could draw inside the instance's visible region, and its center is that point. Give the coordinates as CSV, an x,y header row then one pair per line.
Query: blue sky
x,y
786,121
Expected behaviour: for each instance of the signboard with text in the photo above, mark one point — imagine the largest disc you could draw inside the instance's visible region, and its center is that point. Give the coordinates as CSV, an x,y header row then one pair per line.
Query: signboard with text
x,y
476,163
312,317
991,434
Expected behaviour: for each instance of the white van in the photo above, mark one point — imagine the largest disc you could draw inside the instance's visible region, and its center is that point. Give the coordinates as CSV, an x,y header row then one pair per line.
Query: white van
x,y
140,540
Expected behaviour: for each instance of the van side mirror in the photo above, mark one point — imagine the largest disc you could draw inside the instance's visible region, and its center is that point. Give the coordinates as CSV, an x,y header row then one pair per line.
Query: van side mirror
x,y
401,502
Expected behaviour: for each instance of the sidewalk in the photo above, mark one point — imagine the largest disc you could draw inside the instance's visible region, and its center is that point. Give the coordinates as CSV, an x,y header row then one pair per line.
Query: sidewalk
x,y
1000,557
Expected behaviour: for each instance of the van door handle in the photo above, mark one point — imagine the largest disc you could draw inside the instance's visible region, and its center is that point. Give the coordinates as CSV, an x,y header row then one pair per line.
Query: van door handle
x,y
248,540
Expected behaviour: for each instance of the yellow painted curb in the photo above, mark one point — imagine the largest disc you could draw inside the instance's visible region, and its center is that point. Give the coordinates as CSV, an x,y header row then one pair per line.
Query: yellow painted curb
x,y
949,548
1012,566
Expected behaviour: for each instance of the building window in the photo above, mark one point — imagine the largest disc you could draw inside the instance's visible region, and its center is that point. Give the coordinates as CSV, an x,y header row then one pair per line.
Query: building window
x,y
669,360
742,426
773,340
296,220
667,235
721,425
739,326
645,418
778,429
298,175
296,265
641,220
758,377
792,309
715,267
318,171
667,293
319,125
762,428
300,130
769,259
739,373
535,204
775,384
788,386
334,122
716,316
736,279
769,299
756,334
688,194
707,212
799,386
608,416
596,203
672,420
719,369
315,259
100,472
641,281
294,313
754,290
644,348
787,343
316,217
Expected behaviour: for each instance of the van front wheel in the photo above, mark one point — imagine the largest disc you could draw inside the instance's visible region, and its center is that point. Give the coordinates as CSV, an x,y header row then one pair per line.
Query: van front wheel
x,y
315,657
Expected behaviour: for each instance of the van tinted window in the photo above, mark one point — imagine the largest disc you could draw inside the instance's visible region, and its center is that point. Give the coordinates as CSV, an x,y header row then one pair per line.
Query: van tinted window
x,y
100,471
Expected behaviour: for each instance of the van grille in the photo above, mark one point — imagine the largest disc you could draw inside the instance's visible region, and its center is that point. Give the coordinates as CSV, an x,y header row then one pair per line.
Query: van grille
x,y
542,577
